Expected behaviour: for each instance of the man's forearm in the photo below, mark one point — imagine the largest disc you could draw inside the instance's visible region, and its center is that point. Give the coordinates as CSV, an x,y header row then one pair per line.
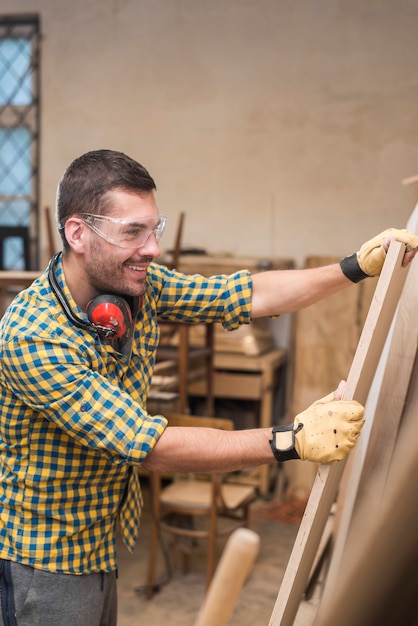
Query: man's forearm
x,y
285,291
210,450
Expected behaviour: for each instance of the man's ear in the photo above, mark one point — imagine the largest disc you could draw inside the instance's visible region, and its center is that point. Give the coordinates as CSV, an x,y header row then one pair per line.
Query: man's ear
x,y
75,233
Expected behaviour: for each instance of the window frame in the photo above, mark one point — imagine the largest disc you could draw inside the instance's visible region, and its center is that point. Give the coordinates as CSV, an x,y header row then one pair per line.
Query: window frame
x,y
15,116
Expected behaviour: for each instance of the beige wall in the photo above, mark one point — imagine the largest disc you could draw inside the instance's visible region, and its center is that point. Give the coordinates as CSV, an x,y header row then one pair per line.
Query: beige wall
x,y
281,127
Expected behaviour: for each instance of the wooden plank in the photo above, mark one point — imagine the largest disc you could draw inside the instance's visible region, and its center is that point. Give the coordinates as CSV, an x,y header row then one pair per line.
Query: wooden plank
x,y
245,363
326,484
377,584
396,365
370,464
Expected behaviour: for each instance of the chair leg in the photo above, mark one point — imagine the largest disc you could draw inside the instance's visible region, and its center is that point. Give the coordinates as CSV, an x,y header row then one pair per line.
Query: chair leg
x,y
185,563
211,559
153,553
246,522
152,561
212,537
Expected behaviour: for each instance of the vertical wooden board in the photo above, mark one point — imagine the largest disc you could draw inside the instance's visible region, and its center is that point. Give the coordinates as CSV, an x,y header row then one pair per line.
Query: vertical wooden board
x,y
377,584
391,399
306,544
378,322
326,484
388,393
369,466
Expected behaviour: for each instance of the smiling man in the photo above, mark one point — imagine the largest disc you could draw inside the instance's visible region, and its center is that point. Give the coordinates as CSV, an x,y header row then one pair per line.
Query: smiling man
x,y
77,353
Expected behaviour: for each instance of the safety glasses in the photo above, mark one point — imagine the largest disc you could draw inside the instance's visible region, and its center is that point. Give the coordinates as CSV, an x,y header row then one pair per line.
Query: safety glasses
x,y
126,233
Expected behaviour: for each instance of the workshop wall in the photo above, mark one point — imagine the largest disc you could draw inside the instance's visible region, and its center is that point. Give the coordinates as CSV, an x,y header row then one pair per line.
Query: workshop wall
x,y
281,128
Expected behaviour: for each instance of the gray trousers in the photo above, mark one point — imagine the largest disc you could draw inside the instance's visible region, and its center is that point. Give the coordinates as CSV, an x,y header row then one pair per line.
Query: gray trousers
x,y
32,597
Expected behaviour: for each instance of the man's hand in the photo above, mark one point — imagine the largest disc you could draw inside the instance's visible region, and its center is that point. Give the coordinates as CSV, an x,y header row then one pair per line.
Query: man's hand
x,y
368,261
328,429
324,432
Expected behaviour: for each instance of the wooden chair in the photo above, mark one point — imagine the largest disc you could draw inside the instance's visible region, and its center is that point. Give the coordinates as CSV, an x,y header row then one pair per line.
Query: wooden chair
x,y
211,496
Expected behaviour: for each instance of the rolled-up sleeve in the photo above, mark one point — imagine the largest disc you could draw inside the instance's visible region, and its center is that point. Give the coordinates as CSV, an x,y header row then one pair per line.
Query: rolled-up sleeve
x,y
225,298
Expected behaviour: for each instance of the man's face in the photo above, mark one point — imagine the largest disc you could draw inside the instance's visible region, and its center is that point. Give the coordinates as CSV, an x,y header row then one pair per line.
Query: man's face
x,y
122,268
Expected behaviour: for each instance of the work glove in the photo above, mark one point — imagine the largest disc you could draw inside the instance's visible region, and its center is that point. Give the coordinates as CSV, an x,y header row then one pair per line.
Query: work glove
x,y
325,432
368,261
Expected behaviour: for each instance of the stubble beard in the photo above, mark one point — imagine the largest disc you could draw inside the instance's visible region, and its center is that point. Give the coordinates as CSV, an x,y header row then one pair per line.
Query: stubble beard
x,y
107,276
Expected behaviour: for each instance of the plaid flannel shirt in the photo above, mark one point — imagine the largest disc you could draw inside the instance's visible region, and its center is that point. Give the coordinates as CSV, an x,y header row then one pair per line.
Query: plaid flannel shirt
x,y
73,419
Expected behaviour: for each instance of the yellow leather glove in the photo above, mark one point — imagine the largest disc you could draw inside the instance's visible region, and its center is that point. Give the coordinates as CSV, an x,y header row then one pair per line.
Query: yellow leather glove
x,y
368,261
324,432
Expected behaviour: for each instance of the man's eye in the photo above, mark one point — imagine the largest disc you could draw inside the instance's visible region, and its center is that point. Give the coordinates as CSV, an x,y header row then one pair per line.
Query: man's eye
x,y
133,231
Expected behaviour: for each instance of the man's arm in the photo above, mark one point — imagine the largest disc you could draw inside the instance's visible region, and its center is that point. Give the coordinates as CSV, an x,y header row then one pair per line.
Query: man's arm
x,y
190,449
286,291
325,432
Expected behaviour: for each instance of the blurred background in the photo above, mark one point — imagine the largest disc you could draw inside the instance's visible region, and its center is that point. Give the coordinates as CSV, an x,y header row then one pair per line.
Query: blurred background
x,y
280,128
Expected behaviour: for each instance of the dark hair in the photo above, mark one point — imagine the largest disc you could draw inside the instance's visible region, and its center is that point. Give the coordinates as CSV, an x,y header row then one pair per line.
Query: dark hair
x,y
89,178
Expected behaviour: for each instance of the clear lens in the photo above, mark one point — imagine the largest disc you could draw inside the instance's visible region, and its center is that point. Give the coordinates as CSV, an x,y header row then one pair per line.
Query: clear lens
x,y
126,233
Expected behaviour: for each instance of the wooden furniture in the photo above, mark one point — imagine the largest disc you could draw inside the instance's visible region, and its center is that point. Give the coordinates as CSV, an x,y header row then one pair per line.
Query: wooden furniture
x,y
189,496
241,377
186,359
210,265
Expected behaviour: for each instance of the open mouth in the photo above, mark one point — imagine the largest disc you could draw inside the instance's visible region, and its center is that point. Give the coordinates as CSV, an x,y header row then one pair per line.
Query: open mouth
x,y
138,269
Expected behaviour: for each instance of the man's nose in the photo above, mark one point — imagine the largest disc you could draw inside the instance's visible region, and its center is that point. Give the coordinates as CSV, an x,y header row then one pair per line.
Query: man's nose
x,y
150,247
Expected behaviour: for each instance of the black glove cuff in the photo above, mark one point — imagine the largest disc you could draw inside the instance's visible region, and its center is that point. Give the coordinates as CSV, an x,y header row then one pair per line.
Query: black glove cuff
x,y
289,453
351,268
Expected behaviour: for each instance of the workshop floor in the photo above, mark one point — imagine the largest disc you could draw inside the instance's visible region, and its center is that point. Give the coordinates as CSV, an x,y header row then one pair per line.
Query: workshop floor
x,y
178,601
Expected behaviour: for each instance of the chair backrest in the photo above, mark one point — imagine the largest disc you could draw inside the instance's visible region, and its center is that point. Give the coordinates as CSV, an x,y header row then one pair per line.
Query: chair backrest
x,y
177,244
50,232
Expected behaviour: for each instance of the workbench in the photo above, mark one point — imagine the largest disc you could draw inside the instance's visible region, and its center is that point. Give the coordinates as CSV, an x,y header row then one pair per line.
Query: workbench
x,y
241,377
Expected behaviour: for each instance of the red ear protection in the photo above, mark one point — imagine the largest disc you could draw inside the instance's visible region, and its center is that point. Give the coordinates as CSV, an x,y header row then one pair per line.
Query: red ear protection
x,y
111,313
110,316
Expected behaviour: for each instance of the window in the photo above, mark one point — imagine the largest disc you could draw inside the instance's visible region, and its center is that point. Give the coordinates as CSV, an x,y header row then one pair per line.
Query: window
x,y
19,142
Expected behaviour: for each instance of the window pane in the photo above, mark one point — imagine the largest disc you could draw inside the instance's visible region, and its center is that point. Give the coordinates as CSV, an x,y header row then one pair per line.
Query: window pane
x,y
13,254
15,74
15,161
14,213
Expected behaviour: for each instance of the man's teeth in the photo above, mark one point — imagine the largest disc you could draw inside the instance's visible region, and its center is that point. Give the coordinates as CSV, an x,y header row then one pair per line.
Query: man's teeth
x,y
137,268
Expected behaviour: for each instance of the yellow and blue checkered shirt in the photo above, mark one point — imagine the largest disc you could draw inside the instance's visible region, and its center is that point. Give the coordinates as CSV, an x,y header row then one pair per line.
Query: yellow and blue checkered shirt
x,y
73,419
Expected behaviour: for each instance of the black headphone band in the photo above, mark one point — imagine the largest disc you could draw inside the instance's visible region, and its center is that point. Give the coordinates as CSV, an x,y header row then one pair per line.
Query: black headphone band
x,y
77,321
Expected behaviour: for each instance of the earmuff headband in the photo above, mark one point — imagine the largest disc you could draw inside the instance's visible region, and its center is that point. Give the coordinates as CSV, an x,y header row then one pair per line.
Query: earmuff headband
x,y
109,315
